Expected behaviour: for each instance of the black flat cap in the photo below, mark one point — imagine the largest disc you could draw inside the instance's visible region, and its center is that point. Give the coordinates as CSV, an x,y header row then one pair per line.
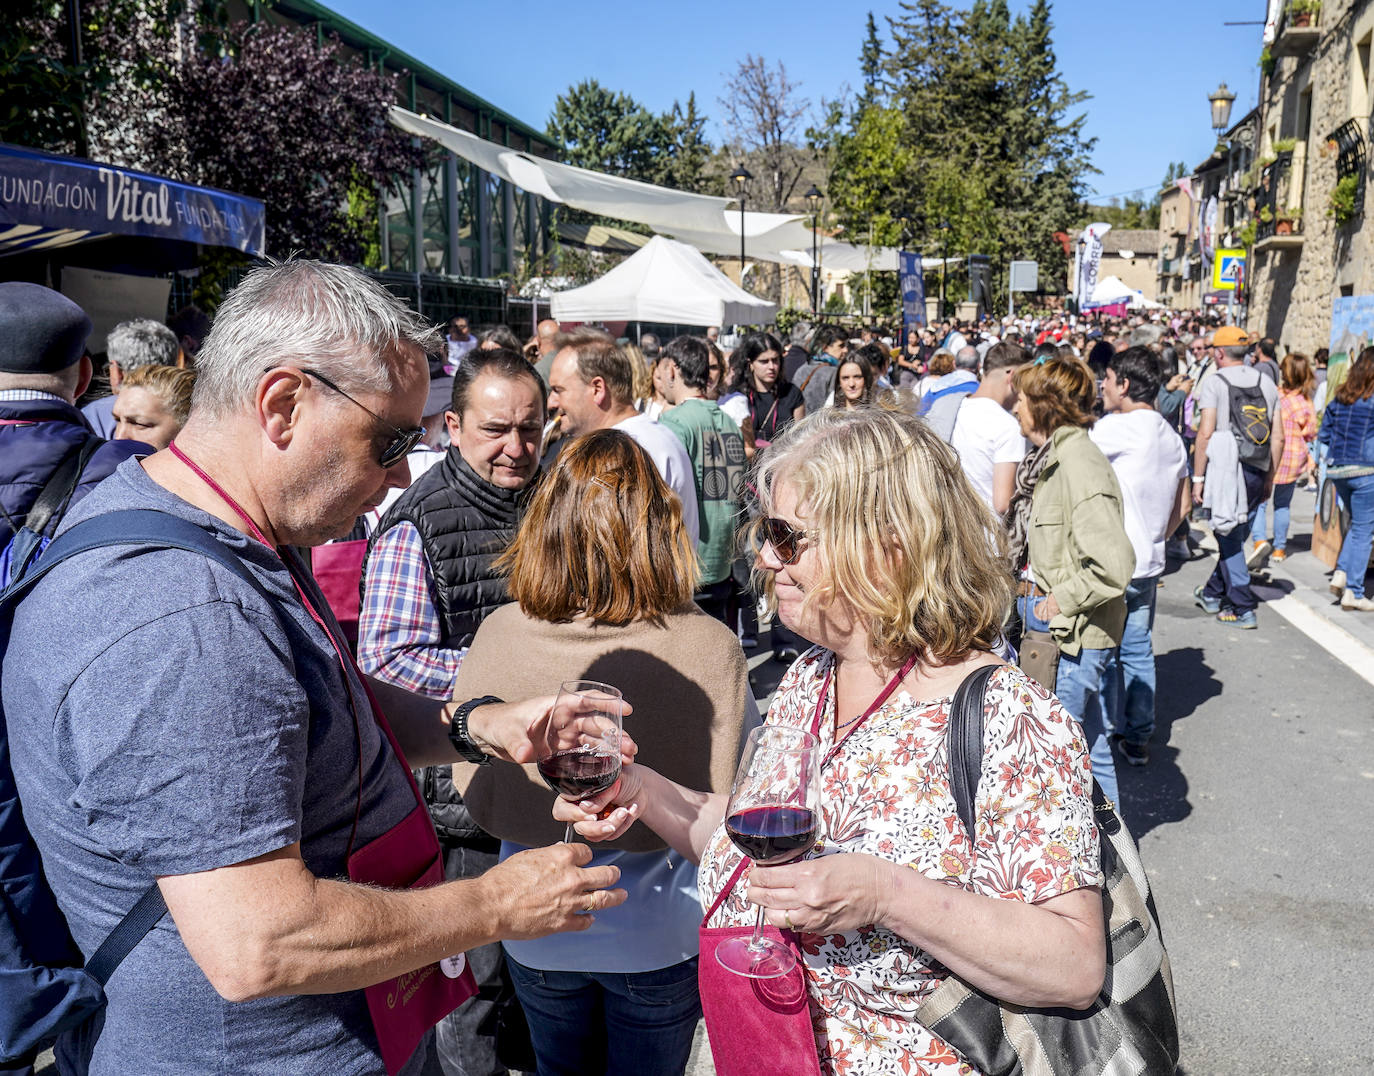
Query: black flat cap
x,y
41,330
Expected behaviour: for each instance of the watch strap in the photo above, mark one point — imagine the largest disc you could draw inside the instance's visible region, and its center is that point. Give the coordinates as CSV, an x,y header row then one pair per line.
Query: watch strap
x,y
458,733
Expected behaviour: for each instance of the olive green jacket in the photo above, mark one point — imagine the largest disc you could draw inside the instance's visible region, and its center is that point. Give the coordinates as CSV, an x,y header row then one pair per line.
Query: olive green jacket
x,y
1079,549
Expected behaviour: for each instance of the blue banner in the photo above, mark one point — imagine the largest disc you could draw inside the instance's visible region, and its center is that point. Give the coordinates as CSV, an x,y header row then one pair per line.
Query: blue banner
x,y
38,190
913,283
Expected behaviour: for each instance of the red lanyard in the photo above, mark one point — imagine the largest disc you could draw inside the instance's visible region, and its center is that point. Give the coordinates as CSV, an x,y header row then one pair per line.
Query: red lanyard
x,y
877,703
345,659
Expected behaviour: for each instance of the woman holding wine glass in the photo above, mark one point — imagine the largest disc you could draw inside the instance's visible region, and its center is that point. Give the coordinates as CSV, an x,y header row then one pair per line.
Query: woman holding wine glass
x,y
602,574
880,552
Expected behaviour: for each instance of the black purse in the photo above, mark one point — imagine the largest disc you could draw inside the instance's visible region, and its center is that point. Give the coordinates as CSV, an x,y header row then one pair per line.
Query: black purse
x,y
1132,1027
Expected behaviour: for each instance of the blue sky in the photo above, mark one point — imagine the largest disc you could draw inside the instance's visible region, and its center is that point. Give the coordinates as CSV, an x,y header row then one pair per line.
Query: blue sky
x,y
1149,66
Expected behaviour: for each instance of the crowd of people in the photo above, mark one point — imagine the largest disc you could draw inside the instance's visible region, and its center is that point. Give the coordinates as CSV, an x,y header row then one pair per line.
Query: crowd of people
x,y
315,760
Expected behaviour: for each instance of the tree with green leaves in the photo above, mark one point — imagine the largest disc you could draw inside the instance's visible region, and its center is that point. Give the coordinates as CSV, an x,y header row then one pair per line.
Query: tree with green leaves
x,y
608,132
871,65
687,150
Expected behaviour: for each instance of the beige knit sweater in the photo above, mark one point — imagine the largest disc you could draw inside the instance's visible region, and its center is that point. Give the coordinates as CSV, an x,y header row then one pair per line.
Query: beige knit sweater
x,y
685,676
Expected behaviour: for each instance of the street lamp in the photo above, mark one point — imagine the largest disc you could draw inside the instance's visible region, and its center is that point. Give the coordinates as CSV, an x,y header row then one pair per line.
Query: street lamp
x,y
740,176
813,202
944,262
1221,100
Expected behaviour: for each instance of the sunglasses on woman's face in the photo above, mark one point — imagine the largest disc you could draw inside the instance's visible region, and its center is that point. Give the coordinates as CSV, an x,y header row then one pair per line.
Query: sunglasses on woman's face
x,y
785,539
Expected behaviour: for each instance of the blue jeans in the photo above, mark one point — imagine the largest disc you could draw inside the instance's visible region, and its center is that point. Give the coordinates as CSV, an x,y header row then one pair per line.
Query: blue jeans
x,y
1283,498
1230,580
1128,692
583,1023
1358,495
1079,688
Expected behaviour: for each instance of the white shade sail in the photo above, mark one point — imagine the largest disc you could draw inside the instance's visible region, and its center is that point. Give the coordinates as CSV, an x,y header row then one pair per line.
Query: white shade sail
x,y
666,281
706,222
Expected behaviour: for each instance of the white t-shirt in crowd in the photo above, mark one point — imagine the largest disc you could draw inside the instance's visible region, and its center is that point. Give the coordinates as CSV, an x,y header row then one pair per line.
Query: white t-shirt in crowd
x,y
1149,459
984,436
673,463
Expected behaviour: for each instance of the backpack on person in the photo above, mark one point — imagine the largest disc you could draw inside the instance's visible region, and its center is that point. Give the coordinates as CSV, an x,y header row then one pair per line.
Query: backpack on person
x,y
1132,1027
1250,422
45,990
51,505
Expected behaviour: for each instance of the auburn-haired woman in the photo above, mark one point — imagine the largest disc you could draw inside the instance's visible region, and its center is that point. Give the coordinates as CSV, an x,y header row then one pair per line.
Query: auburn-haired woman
x,y
1296,386
601,571
881,553
1069,542
1348,432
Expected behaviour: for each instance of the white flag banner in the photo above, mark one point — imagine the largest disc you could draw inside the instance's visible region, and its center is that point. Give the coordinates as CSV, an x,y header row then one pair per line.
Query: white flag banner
x,y
1089,260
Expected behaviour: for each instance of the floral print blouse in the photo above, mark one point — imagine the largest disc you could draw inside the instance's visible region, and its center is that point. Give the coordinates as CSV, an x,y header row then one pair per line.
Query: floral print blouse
x,y
886,793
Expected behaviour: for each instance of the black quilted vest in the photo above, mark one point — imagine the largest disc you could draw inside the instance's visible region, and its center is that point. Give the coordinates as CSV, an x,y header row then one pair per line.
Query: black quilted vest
x,y
464,523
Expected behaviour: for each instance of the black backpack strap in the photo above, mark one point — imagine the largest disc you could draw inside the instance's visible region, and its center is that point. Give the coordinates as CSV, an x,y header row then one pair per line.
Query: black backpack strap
x,y
153,530
56,494
964,740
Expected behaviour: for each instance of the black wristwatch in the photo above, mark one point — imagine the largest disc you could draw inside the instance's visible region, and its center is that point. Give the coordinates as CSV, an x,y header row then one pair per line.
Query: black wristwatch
x,y
464,744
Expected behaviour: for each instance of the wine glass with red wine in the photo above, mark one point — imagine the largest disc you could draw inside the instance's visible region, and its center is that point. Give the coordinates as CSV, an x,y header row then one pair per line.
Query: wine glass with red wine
x,y
579,756
773,817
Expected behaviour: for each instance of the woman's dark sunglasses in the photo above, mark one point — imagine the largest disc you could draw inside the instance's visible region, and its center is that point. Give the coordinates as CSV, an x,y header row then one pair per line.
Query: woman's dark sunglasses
x,y
785,539
402,441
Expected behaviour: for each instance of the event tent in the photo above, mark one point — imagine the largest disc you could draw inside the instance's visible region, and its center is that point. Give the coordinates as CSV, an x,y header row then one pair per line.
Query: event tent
x,y
666,281
1112,290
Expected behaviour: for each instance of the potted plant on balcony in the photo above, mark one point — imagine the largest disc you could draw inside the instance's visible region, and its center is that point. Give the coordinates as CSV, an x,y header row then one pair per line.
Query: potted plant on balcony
x,y
1303,12
1286,221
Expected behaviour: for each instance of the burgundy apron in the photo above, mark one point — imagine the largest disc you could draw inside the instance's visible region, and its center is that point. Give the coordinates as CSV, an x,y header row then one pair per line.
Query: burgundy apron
x,y
762,1027
407,856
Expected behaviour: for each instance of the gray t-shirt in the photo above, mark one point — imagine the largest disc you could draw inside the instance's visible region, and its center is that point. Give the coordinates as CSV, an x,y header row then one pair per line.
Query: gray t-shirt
x,y
164,720
1213,392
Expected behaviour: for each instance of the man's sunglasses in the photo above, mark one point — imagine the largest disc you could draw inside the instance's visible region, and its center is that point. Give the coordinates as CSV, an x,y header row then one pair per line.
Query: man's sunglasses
x,y
785,539
402,441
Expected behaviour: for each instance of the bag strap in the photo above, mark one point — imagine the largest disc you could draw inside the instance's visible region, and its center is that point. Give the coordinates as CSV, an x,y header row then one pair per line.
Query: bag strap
x,y
154,530
56,494
964,740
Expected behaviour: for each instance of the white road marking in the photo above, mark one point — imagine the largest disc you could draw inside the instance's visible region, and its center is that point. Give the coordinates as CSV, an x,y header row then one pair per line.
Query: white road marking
x,y
1336,641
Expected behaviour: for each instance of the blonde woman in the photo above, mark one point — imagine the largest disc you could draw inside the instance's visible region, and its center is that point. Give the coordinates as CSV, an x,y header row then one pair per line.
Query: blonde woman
x,y
879,551
152,404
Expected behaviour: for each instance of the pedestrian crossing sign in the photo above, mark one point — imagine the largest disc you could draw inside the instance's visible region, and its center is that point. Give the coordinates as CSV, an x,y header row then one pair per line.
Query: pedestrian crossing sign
x,y
1228,270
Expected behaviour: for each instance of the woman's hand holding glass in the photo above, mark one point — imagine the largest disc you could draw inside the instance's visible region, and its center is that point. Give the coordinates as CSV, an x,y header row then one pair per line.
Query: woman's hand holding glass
x,y
622,800
826,895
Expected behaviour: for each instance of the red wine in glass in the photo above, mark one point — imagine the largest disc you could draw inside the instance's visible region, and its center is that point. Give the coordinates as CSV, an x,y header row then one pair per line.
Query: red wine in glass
x,y
579,774
774,834
579,751
773,817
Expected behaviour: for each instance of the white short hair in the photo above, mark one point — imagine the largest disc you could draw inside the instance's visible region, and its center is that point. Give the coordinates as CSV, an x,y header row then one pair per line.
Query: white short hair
x,y
142,342
331,318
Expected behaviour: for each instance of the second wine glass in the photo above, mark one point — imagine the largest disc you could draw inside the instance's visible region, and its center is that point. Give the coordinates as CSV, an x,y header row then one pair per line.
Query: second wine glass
x,y
579,752
773,817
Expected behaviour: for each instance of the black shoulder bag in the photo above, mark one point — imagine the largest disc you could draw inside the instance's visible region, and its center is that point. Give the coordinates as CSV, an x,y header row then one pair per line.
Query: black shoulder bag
x,y
1132,1027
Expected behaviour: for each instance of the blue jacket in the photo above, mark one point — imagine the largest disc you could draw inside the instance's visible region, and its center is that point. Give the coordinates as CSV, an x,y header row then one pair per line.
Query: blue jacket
x,y
30,452
1348,432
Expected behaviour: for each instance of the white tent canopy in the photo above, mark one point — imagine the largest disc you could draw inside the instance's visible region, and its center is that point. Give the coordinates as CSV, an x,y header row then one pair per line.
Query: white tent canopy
x,y
706,222
666,281
1112,289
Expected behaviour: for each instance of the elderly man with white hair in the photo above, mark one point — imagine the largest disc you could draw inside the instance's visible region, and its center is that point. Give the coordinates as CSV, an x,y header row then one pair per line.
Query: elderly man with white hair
x,y
206,742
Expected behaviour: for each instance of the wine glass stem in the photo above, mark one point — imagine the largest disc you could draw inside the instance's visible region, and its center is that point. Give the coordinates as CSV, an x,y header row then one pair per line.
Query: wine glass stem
x,y
568,834
756,942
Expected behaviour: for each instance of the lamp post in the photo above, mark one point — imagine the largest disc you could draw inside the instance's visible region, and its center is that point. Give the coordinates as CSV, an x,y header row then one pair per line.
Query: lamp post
x,y
740,176
813,198
1221,99
944,263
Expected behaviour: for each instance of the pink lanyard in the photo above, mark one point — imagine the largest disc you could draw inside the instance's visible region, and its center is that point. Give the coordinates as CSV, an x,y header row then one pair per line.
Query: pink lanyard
x,y
883,696
345,659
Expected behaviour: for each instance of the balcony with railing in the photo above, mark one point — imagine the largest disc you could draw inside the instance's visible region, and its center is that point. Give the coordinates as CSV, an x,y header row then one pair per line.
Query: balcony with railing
x,y
1278,209
1298,30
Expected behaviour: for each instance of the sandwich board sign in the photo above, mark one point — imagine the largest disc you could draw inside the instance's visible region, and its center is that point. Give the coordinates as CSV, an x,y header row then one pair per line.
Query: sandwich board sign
x,y
1228,270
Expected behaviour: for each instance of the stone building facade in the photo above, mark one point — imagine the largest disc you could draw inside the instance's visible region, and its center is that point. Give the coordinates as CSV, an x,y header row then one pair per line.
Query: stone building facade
x,y
1133,255
1178,276
1316,123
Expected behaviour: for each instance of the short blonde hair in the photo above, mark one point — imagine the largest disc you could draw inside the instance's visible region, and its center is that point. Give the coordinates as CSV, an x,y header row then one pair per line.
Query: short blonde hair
x,y
170,384
603,537
901,535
